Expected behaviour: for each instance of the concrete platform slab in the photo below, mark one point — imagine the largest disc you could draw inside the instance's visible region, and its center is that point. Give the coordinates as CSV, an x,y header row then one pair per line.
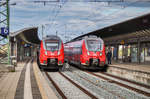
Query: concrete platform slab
x,y
8,83
133,66
27,82
131,71
46,91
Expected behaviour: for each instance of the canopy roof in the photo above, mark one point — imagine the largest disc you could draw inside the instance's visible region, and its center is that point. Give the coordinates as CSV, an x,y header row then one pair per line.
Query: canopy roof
x,y
135,28
29,35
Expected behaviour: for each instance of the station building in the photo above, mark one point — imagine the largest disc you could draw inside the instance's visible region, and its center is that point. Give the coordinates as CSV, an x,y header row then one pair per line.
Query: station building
x,y
24,43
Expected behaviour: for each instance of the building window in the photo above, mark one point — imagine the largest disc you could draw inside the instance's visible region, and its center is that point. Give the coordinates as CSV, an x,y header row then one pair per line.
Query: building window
x,y
147,54
134,53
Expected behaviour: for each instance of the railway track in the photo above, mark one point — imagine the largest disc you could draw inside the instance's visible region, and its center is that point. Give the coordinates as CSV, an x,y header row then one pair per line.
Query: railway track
x,y
139,91
62,93
94,85
121,84
56,86
81,88
126,80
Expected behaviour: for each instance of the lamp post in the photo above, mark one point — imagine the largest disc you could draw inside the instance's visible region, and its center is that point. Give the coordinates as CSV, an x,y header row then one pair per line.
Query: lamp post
x,y
56,33
7,4
42,31
65,32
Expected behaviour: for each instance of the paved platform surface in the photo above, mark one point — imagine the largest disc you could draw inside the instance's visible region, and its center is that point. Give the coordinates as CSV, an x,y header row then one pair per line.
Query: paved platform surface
x,y
8,83
132,66
27,82
3,70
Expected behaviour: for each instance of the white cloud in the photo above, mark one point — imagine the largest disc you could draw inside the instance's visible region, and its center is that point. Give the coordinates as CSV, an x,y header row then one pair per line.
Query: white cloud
x,y
77,16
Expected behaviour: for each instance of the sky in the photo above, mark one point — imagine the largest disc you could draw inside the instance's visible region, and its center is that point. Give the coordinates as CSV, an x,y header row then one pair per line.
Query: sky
x,y
72,18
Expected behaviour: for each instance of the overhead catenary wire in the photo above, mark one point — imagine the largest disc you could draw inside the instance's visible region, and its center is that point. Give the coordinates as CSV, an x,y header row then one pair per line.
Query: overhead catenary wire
x,y
50,18
121,9
124,7
109,15
57,13
53,11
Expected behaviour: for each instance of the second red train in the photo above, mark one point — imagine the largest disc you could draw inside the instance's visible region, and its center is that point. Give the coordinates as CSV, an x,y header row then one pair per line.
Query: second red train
x,y
88,53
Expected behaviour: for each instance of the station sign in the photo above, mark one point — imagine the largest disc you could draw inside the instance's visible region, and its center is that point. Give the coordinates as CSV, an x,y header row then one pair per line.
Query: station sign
x,y
122,42
4,31
27,45
22,42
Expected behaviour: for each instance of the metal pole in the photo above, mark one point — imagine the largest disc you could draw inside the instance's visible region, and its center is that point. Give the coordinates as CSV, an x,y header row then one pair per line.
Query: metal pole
x,y
42,31
139,51
9,60
122,53
65,32
56,33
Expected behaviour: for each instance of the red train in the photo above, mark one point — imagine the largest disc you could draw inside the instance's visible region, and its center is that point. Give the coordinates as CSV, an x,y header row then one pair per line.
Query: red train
x,y
88,53
51,52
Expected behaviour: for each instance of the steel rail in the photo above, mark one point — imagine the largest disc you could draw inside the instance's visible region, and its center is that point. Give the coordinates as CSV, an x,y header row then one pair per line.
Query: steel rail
x,y
99,86
133,82
121,84
56,86
78,86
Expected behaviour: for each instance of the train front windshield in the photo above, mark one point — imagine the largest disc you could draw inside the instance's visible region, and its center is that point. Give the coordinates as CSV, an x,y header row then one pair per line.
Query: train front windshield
x,y
94,45
52,45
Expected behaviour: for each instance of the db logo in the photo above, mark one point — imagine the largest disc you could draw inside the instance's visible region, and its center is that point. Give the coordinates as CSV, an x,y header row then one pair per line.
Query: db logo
x,y
4,31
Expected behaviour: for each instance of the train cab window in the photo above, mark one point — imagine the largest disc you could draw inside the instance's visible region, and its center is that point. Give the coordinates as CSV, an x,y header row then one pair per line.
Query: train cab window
x,y
94,45
52,46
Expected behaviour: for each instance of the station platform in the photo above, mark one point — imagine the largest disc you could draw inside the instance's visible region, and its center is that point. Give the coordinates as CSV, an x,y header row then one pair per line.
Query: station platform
x,y
132,66
27,82
132,71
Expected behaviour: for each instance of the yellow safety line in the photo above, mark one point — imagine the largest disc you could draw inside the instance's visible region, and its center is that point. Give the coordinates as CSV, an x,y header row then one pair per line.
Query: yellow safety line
x,y
36,70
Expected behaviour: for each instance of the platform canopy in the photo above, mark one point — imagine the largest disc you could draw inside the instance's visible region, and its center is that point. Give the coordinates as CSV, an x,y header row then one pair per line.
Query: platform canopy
x,y
129,31
28,35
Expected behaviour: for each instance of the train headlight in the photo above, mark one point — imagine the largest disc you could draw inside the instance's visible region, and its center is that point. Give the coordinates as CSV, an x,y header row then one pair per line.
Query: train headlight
x,y
88,53
100,54
45,52
58,52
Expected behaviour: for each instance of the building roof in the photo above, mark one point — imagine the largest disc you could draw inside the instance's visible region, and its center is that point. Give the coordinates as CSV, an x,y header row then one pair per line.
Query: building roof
x,y
29,35
133,28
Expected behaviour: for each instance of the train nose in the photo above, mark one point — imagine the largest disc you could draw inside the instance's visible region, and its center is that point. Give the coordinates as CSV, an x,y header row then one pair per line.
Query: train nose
x,y
52,61
94,61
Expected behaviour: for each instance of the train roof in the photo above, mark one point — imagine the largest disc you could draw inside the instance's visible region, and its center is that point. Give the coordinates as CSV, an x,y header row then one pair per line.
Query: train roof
x,y
51,37
90,37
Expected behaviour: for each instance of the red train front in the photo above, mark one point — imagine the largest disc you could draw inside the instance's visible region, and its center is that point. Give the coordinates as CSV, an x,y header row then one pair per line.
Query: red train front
x,y
51,52
87,53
